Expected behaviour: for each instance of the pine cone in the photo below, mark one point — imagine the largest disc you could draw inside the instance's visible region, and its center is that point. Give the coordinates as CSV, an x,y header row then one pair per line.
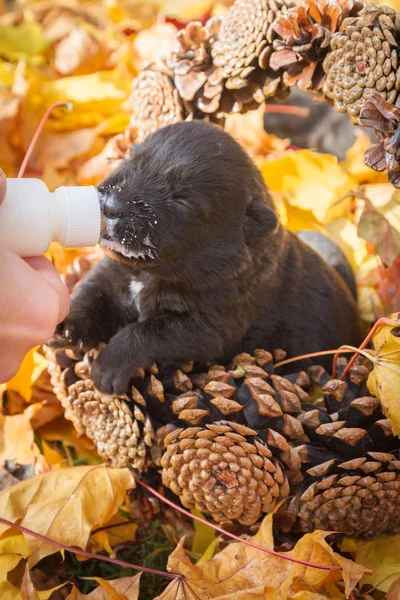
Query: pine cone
x,y
154,101
363,59
223,470
351,469
305,33
359,497
241,54
191,64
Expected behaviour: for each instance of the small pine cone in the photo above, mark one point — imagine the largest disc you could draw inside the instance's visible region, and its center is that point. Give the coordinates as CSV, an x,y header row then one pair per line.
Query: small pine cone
x,y
363,60
191,63
119,427
241,54
305,33
223,470
359,497
123,436
154,101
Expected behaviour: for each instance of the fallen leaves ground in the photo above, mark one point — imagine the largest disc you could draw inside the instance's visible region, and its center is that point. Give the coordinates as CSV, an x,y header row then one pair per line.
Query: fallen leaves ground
x,y
51,480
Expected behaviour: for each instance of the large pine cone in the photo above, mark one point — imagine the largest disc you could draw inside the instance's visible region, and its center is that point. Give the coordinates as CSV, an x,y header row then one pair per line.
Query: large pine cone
x,y
364,59
223,470
351,468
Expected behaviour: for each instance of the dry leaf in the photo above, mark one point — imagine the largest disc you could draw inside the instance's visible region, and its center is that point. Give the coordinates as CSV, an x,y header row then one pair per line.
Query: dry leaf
x,y
27,589
204,535
108,538
32,366
376,229
355,165
384,380
240,567
154,43
65,505
248,129
25,40
81,52
17,437
311,181
394,591
125,588
381,554
12,550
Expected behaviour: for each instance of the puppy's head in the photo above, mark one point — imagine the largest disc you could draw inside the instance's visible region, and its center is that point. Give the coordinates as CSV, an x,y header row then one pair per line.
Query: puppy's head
x,y
187,187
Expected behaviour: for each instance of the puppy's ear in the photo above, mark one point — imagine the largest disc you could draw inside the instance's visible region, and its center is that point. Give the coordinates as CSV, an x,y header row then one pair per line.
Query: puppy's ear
x,y
260,220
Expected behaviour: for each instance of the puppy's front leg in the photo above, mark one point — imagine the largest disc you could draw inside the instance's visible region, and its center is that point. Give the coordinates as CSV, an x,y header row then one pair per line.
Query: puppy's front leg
x,y
169,340
97,310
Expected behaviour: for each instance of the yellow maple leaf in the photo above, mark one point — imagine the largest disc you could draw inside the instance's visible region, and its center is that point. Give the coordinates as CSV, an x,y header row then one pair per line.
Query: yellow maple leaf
x,y
311,181
384,379
64,505
186,11
248,569
17,437
381,554
354,162
32,366
95,97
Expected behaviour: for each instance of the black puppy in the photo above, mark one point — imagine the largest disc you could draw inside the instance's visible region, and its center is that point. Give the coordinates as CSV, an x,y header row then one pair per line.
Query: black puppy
x,y
199,266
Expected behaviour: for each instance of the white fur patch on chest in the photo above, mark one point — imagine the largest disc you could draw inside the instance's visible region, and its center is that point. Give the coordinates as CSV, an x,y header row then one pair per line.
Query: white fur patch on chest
x,y
135,289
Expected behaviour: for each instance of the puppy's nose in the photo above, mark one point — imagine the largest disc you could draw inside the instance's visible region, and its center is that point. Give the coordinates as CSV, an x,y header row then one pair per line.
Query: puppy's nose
x,y
111,207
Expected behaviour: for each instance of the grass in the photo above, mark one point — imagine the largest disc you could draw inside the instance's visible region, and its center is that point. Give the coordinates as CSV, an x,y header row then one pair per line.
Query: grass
x,y
150,549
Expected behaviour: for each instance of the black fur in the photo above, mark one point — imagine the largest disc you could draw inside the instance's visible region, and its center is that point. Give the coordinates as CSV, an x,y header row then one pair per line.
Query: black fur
x,y
190,222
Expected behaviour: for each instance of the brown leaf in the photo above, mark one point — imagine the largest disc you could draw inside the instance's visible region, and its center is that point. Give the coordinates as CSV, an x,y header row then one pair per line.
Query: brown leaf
x,y
64,505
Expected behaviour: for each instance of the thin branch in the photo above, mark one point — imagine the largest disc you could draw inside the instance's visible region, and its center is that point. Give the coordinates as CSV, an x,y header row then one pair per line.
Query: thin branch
x,y
378,324
114,561
304,356
43,121
296,111
231,535
112,526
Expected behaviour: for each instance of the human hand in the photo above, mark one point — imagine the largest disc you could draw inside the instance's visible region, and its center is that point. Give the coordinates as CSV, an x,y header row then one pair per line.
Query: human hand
x,y
33,300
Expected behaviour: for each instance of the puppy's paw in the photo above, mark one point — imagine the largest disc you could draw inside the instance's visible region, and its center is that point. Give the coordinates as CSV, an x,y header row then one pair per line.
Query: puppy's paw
x,y
74,332
111,373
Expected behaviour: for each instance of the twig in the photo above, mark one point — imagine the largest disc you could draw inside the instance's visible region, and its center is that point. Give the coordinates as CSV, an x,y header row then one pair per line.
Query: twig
x,y
231,535
114,561
296,111
378,324
43,121
112,526
304,356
